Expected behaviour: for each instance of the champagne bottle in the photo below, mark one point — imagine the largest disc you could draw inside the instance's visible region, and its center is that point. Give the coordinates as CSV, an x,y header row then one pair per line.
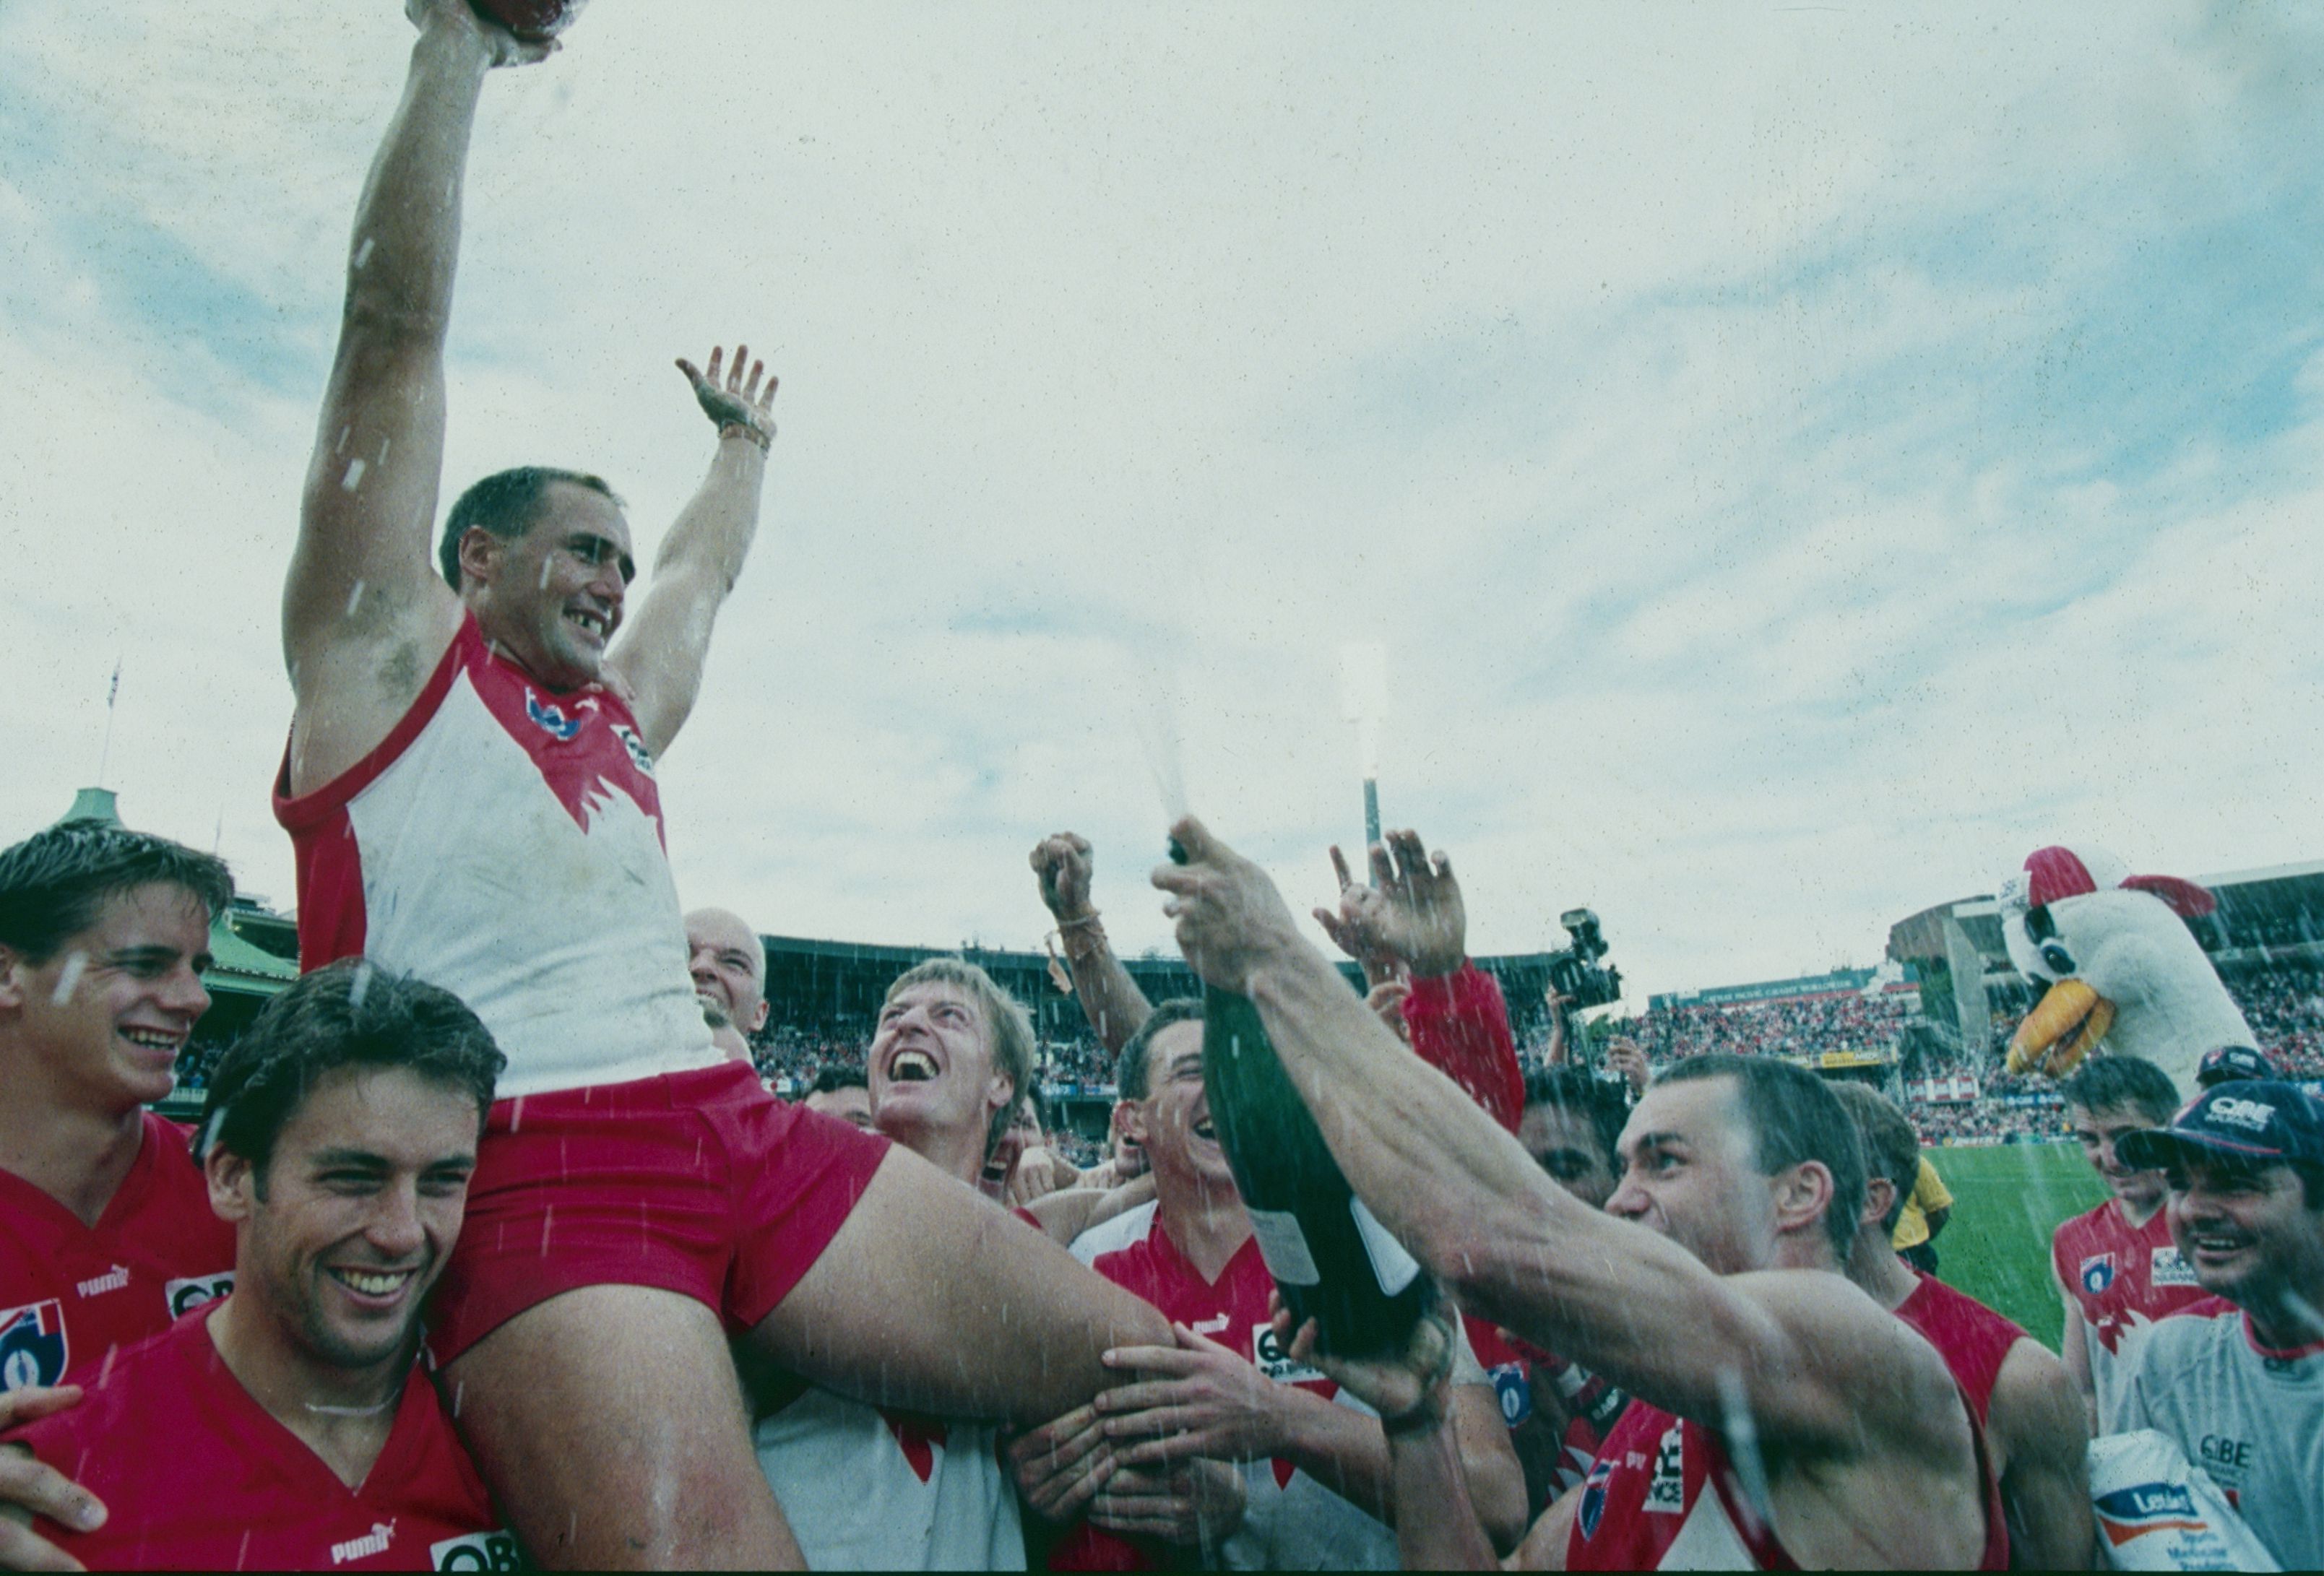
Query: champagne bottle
x,y
1330,1260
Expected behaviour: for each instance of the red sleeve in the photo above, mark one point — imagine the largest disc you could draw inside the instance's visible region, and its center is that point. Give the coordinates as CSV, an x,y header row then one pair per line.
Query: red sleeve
x,y
1460,1027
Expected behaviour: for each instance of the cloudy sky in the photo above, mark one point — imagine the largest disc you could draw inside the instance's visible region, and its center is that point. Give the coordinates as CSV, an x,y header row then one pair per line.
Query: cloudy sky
x,y
1797,459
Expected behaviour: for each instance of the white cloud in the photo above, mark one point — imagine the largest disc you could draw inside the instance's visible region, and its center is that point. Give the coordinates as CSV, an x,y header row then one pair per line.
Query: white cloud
x,y
1719,414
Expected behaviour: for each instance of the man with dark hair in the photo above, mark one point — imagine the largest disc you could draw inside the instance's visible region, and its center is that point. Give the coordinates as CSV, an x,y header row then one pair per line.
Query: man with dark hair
x,y
1560,1413
2031,1408
1313,1467
105,1236
842,1093
508,504
1778,1413
1131,1088
286,1426
470,790
2238,1381
105,1232
2116,1268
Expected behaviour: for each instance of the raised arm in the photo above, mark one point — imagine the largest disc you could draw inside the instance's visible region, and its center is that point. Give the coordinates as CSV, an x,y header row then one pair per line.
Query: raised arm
x,y
661,651
1111,999
1813,1358
364,615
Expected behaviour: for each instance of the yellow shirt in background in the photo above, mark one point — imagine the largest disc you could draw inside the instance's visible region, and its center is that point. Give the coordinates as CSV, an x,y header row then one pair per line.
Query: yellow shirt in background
x,y
1928,1193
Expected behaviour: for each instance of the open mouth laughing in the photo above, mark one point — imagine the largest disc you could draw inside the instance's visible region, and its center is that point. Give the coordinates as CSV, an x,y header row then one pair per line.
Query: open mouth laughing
x,y
372,1287
591,623
912,1066
158,1043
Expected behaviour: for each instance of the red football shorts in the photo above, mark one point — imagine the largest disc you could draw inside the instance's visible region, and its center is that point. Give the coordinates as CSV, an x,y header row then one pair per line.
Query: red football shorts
x,y
697,1182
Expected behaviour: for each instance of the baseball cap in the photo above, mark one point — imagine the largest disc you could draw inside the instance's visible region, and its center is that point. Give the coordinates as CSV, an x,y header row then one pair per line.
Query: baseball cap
x,y
2228,1063
2254,1119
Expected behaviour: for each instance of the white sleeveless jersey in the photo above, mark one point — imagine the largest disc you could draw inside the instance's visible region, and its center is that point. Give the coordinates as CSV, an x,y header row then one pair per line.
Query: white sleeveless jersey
x,y
1130,1226
868,1491
2251,1417
504,842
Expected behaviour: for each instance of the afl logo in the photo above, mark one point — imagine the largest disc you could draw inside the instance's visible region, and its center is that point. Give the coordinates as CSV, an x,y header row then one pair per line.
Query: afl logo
x,y
2097,1273
1592,1508
33,1345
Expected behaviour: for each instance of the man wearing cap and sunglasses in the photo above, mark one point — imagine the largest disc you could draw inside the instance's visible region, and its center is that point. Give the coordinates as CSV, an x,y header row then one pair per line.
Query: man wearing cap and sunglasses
x,y
2238,1380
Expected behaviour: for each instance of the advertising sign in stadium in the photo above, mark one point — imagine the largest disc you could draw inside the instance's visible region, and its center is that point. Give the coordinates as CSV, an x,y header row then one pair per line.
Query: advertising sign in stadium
x,y
1956,1089
1828,1060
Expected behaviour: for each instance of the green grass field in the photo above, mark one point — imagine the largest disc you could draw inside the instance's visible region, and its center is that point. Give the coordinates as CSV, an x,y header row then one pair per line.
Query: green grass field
x,y
2007,1204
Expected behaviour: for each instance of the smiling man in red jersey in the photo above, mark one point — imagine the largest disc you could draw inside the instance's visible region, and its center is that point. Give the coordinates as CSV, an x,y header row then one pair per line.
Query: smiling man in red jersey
x,y
106,1231
2116,1268
287,1426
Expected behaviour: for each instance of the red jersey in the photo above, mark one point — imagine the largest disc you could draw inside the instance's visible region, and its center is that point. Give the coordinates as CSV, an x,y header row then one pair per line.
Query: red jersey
x,y
1643,1506
1285,1511
1973,1340
1459,1025
1593,1402
195,1476
71,1294
2122,1278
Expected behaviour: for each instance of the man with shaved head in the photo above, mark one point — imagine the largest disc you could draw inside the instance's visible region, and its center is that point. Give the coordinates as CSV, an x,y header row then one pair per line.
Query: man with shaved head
x,y
728,965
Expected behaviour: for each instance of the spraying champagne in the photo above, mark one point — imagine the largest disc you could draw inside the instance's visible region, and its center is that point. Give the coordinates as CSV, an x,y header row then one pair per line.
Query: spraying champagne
x,y
1330,1260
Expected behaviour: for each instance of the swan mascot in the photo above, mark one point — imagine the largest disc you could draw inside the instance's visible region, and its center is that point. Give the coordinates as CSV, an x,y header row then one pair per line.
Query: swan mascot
x,y
2121,966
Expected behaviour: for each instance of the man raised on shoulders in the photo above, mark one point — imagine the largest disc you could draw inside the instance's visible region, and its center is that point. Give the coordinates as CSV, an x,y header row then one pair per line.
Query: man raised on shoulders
x,y
1778,1413
469,786
287,1426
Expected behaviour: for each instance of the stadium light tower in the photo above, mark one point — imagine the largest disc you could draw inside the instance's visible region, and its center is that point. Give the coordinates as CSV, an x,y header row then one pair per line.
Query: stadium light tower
x,y
1363,698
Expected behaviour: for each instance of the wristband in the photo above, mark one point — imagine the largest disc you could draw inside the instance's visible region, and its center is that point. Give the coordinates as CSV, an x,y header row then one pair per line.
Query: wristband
x,y
765,440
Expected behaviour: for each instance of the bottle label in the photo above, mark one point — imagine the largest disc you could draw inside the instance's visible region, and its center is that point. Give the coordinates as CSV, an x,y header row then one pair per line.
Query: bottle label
x,y
1284,1245
1392,1267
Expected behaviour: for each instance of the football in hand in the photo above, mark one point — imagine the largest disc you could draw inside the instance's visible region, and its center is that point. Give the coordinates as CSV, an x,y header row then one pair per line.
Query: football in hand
x,y
533,21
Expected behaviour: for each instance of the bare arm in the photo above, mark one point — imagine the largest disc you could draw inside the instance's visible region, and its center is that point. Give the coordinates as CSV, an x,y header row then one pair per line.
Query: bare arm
x,y
2038,1423
1815,1359
1066,1214
364,616
662,647
1111,999
2073,1350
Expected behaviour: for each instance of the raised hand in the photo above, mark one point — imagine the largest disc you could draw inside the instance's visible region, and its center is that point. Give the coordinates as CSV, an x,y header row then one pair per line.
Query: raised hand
x,y
456,19
1628,1057
1387,1001
1064,865
736,404
1411,913
1230,917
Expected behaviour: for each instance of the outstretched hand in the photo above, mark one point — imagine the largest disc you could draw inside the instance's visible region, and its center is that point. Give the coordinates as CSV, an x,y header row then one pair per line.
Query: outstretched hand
x,y
736,402
1230,917
459,19
1064,865
1411,913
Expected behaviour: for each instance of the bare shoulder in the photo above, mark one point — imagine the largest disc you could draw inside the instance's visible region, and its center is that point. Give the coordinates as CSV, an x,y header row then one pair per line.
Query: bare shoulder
x,y
352,687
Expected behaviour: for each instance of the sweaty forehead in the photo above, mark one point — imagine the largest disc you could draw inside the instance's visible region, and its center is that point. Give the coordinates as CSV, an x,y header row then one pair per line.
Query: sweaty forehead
x,y
931,992
1700,1112
1174,1047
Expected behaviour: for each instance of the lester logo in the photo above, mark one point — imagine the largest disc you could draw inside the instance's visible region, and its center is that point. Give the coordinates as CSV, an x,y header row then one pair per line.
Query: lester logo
x,y
2167,1268
2097,1273
2251,1115
32,1349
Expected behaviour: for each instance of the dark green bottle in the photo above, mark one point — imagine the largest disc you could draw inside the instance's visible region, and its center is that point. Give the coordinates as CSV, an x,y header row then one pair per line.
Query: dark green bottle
x,y
1330,1258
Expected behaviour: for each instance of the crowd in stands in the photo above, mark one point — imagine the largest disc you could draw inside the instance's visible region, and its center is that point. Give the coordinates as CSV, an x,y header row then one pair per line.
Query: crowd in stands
x,y
1796,1026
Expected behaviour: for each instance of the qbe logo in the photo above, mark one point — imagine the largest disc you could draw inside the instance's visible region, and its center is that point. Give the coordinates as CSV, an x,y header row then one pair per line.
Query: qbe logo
x,y
1277,1364
479,1551
2097,1273
33,1348
183,1296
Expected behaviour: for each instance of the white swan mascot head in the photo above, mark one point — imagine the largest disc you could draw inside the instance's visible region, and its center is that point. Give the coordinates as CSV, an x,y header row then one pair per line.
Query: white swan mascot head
x,y
2120,966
